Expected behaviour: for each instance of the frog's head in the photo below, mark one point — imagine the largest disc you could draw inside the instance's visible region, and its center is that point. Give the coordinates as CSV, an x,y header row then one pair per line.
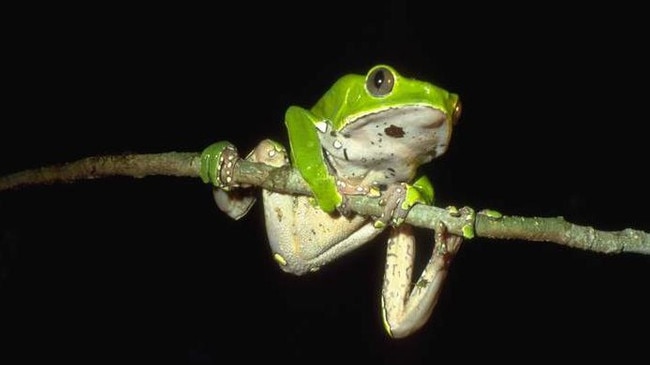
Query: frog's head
x,y
382,88
395,104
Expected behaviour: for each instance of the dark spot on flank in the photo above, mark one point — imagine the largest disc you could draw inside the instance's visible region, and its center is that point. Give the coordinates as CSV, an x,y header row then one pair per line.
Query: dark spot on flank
x,y
345,154
394,131
333,133
345,135
391,169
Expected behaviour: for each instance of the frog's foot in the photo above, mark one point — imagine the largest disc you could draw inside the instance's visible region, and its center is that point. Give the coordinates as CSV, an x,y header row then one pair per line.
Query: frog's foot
x,y
398,199
346,190
446,244
218,162
469,216
395,207
270,153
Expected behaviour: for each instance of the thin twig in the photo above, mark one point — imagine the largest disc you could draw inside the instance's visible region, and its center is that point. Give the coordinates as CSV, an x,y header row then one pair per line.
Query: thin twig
x,y
135,165
287,180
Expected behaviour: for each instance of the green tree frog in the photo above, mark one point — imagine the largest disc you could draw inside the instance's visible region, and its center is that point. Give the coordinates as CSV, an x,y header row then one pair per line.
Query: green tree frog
x,y
367,135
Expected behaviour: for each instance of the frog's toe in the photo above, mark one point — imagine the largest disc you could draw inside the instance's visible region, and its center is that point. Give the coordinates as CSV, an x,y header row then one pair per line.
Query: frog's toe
x,y
469,216
446,244
395,211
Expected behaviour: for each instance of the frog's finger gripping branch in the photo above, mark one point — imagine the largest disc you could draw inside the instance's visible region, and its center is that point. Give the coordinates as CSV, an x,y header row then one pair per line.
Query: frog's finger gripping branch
x,y
468,215
218,162
398,199
395,205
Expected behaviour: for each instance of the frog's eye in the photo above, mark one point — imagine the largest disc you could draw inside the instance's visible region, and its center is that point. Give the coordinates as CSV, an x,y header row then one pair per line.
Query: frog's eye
x,y
380,81
458,108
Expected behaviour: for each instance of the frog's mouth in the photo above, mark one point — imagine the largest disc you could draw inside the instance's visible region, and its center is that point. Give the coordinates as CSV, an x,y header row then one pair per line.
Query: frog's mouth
x,y
418,127
410,116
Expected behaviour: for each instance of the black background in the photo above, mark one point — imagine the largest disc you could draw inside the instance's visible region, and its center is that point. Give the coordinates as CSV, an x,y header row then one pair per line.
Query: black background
x,y
148,270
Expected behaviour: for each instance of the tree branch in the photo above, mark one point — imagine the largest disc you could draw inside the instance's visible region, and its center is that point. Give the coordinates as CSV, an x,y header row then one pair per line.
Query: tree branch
x,y
287,180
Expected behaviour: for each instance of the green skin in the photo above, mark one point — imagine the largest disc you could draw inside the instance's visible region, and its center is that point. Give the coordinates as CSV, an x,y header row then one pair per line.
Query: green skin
x,y
366,136
342,106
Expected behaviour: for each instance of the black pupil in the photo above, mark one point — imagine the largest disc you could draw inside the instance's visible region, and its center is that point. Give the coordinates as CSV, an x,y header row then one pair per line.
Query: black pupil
x,y
379,79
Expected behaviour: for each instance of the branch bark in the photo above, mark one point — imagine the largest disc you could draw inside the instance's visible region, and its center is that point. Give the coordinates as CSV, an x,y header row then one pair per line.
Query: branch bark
x,y
287,180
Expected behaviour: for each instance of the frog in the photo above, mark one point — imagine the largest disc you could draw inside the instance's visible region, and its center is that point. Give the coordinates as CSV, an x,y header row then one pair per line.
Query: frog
x,y
366,136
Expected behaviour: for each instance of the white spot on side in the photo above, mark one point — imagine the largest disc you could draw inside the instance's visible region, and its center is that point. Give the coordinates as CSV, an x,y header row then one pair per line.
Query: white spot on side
x,y
321,126
337,144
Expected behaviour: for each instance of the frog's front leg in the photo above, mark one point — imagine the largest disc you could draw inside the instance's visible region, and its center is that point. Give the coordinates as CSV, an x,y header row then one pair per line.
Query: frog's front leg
x,y
407,306
218,162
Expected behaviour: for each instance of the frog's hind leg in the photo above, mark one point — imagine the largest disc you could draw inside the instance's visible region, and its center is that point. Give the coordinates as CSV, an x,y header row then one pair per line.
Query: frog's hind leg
x,y
407,306
303,237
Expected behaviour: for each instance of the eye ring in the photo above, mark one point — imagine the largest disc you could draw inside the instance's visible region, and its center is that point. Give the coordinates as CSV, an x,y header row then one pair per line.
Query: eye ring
x,y
380,81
